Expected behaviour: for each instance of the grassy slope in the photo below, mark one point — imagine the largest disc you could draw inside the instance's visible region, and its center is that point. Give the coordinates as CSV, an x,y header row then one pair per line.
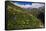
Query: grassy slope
x,y
19,19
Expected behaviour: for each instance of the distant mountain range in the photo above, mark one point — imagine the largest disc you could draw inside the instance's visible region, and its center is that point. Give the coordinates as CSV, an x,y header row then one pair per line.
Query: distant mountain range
x,y
27,6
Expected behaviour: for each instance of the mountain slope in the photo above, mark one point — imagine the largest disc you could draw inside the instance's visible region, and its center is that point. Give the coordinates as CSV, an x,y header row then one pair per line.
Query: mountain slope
x,y
18,18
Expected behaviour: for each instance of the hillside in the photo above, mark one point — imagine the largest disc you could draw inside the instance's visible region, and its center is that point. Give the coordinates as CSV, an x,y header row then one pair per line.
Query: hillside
x,y
17,18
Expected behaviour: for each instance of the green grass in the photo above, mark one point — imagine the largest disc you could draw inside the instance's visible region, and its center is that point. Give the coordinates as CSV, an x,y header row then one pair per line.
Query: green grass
x,y
18,19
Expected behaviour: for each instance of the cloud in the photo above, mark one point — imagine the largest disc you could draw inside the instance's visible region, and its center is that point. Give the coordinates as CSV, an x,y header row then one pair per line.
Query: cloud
x,y
34,5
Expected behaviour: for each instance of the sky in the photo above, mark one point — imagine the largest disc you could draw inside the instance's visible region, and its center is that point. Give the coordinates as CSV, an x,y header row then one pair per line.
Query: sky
x,y
28,4
24,3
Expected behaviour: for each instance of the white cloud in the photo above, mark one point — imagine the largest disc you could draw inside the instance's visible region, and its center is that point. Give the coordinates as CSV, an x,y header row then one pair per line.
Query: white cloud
x,y
37,5
34,5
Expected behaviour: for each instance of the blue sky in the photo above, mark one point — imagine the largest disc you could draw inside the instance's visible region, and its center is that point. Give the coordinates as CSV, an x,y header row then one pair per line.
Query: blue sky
x,y
24,3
